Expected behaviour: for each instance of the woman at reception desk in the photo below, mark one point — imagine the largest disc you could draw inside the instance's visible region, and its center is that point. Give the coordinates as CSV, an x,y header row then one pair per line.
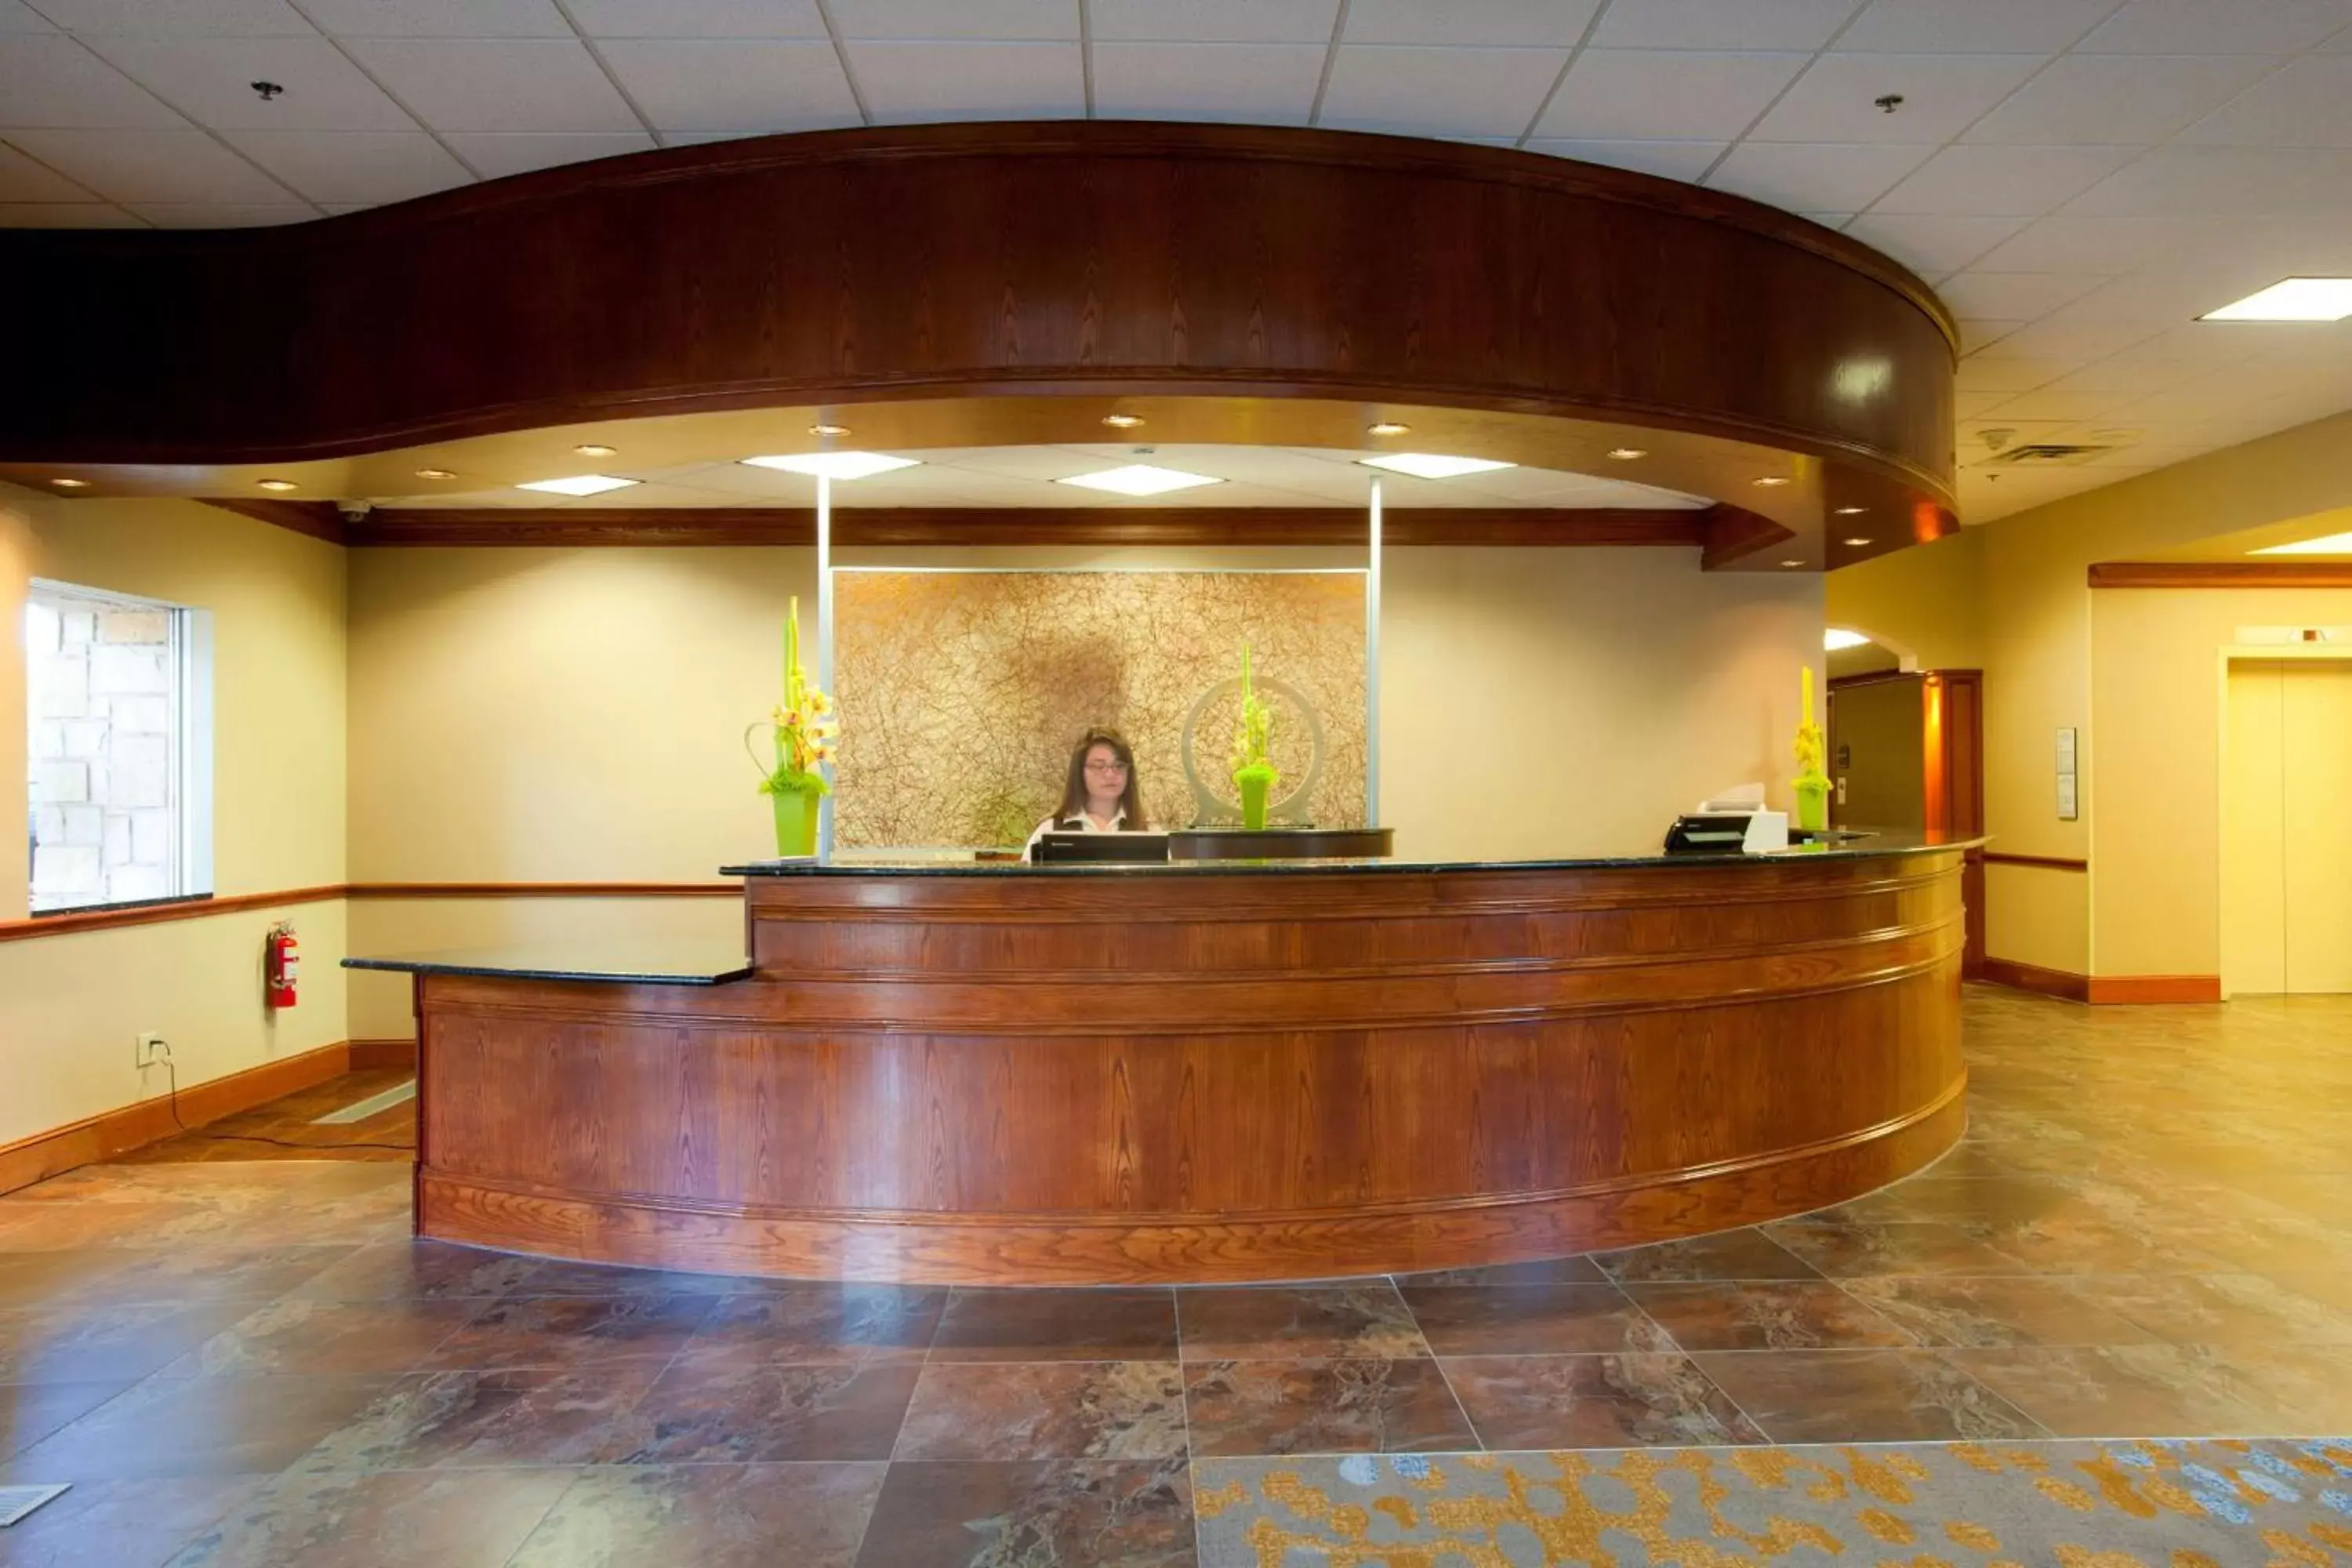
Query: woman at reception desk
x,y
1204,1070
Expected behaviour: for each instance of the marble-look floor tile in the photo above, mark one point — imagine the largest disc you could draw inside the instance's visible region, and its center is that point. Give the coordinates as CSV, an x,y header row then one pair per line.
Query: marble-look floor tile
x,y
1236,1407
562,1276
1581,1269
183,1276
2087,1244
1726,1254
820,1322
1052,1513
469,1519
1057,1325
707,1516
2308,1387
122,1524
1046,1410
2221,1308
517,1333
36,1279
2332,1288
1847,1248
1595,1402
81,1344
199,1426
1531,1320
1765,1315
2001,1310
1864,1396
295,1337
1361,1322
445,1419
2124,1390
408,1269
31,1411
726,1412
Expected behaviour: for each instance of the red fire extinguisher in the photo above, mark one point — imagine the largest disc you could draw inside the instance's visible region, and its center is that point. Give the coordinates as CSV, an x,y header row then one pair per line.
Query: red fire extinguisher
x,y
282,964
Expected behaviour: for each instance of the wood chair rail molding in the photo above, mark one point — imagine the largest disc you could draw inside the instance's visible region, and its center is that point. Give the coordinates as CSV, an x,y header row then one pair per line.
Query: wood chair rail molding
x,y
2222,574
2040,862
1242,266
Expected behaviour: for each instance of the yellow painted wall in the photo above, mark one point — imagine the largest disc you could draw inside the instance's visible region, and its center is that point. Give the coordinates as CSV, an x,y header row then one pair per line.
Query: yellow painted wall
x,y
1877,737
15,567
2156,697
1926,602
69,1005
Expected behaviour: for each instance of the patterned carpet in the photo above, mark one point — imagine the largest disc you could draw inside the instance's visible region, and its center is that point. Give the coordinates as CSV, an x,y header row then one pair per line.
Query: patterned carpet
x,y
2166,1504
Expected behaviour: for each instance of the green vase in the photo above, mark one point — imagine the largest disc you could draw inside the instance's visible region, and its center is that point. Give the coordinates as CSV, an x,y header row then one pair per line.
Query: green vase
x,y
1813,803
1253,788
795,822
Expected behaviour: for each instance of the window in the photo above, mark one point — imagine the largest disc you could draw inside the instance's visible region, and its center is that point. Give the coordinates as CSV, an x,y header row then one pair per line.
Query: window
x,y
119,709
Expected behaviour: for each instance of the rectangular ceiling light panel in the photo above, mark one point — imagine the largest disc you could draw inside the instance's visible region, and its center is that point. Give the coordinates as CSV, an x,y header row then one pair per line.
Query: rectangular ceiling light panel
x,y
1433,465
1140,479
2327,544
2295,300
579,485
834,465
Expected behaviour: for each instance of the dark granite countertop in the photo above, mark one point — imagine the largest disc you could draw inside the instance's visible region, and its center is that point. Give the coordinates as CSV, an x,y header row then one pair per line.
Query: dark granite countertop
x,y
1855,846
653,963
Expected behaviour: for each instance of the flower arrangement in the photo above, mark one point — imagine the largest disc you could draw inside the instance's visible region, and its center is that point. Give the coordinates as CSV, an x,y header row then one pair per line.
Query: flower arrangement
x,y
1811,751
1254,770
802,730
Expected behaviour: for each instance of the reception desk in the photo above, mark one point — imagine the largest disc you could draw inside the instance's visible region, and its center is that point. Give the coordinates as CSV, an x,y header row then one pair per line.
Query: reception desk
x,y
1203,1071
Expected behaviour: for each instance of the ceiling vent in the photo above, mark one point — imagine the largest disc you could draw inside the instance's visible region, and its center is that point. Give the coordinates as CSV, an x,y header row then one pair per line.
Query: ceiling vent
x,y
2048,454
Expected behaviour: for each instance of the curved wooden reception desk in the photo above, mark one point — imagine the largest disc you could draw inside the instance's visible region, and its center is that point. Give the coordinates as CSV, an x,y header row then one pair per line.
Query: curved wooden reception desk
x,y
1092,1074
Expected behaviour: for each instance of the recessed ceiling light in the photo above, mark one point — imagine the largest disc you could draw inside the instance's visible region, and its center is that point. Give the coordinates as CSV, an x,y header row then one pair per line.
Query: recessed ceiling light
x,y
828,430
1857,543
2327,544
1851,511
1140,479
71,484
1433,465
833,465
1792,564
435,474
1122,421
596,449
579,485
1837,640
277,484
1770,481
1628,454
1387,427
2295,300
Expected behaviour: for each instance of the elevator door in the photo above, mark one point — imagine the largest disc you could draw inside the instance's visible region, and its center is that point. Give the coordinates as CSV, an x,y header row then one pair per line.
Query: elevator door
x,y
2286,828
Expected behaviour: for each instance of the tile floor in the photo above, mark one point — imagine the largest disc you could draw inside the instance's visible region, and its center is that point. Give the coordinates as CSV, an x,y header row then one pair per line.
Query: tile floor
x,y
2148,1232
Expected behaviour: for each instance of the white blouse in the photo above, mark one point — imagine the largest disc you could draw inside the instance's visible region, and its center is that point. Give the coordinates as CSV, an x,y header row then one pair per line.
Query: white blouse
x,y
1081,822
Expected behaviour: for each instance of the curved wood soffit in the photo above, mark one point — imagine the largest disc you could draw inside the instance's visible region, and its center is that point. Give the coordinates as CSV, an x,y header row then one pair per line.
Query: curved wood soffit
x,y
966,260
1090,1080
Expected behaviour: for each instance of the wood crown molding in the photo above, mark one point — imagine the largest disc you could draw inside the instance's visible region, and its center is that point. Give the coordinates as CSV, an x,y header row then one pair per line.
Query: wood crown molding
x,y
2222,574
209,907
2044,862
1720,530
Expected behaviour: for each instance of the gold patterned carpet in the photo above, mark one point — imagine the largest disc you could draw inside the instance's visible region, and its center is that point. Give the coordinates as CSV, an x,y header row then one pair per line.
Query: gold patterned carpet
x,y
2167,1504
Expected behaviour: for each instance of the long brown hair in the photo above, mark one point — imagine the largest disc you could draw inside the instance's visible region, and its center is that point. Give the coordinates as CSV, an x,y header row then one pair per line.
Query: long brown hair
x,y
1074,788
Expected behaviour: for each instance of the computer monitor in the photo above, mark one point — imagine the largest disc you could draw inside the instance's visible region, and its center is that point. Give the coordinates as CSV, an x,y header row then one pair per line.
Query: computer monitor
x,y
1065,846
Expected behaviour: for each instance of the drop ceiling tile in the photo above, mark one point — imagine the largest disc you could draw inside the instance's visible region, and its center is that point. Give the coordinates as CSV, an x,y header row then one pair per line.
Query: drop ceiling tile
x,y
1722,24
1213,21
2219,27
1994,372
2084,339
212,19
1968,404
2072,241
439,19
51,79
1977,332
1463,22
2225,181
1813,176
1439,91
212,80
2128,375
2117,99
225,214
1836,99
2007,26
16,16
131,166
699,18
1684,161
920,82
2001,181
733,86
2305,103
362,167
23,179
2164,297
497,84
498,153
1270,84
1664,94
2045,403
973,19
65,215
1934,244
2020,295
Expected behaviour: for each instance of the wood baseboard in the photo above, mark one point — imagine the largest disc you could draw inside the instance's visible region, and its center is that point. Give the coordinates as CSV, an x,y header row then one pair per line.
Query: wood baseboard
x,y
371,1055
2149,988
145,1121
2032,977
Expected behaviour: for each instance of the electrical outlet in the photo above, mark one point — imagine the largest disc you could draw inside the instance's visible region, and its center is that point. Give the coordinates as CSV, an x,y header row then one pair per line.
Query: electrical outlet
x,y
149,1050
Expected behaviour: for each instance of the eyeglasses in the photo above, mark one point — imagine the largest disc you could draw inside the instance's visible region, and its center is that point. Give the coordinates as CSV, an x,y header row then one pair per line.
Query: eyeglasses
x,y
1106,767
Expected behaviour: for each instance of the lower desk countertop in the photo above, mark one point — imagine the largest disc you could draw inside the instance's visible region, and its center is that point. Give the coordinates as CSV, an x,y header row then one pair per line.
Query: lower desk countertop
x,y
650,965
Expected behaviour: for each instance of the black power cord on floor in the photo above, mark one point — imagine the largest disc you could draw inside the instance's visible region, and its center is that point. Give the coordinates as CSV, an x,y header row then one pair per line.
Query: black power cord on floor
x,y
172,1077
